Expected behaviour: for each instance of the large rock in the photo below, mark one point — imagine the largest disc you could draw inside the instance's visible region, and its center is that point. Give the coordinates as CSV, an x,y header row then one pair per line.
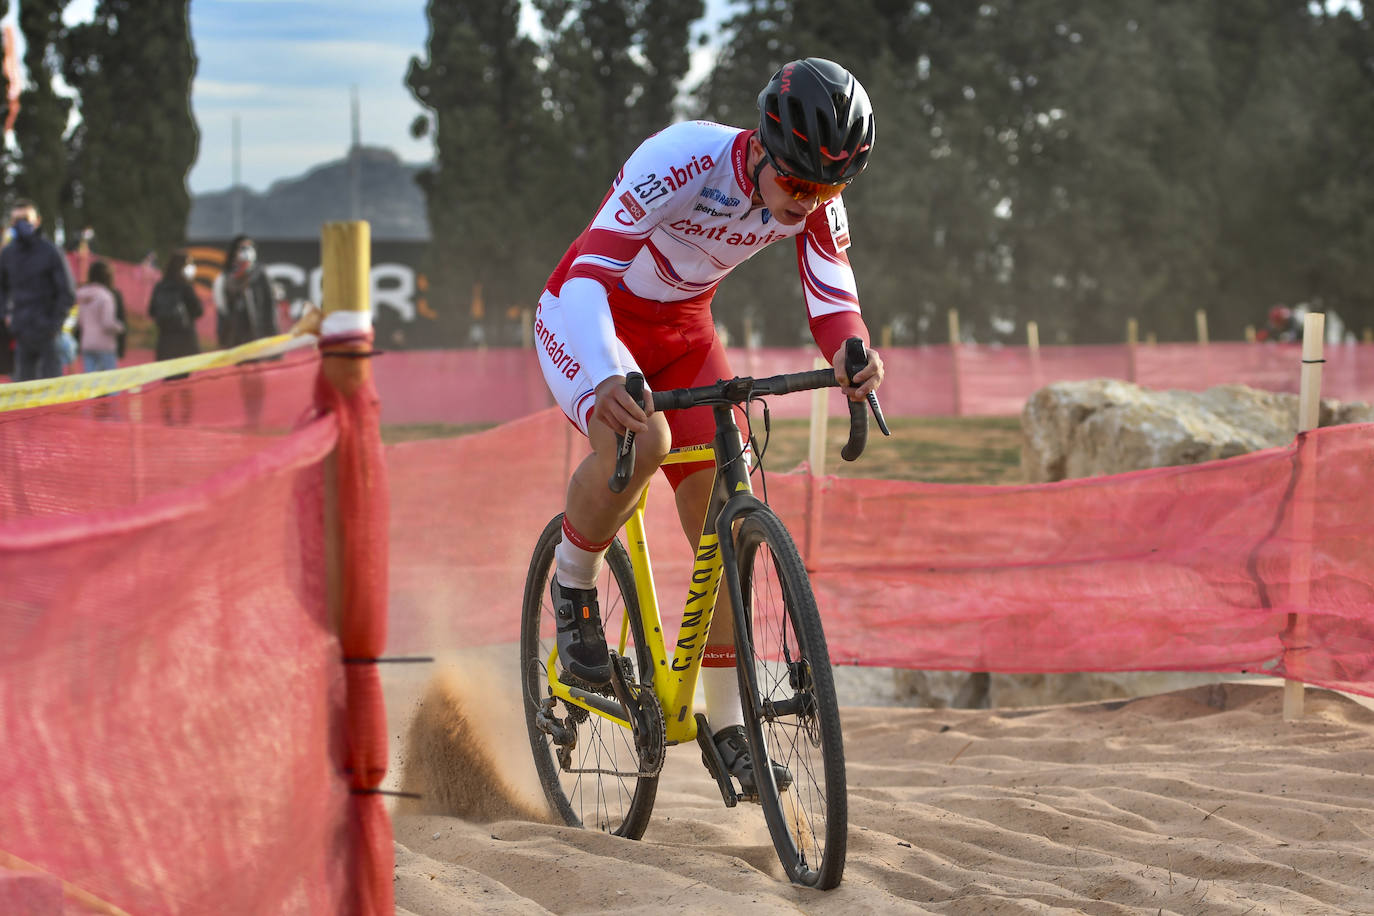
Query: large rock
x,y
1106,426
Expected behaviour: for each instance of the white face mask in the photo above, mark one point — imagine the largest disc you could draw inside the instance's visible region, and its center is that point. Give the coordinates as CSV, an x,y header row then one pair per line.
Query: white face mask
x,y
189,271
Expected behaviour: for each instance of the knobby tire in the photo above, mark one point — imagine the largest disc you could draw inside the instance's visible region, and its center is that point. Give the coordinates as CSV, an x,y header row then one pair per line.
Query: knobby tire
x,y
791,714
616,804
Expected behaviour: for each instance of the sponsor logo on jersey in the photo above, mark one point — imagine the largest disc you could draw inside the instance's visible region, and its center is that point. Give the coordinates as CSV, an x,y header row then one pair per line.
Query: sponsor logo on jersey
x,y
720,197
632,207
562,360
766,215
702,208
723,233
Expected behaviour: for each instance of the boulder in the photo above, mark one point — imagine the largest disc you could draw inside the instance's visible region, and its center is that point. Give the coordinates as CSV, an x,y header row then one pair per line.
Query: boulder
x,y
1107,426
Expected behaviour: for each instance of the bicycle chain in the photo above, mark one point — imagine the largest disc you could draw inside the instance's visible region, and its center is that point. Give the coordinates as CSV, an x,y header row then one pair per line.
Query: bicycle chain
x,y
648,703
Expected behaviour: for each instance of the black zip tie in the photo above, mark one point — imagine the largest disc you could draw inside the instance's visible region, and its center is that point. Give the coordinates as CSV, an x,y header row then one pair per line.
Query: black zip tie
x,y
394,660
353,354
386,792
1314,360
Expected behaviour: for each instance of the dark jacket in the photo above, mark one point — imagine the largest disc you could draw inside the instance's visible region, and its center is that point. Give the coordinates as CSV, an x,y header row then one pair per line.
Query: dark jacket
x,y
174,308
250,309
36,287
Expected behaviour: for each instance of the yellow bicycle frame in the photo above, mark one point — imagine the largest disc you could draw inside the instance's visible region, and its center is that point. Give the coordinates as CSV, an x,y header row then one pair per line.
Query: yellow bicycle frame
x,y
675,681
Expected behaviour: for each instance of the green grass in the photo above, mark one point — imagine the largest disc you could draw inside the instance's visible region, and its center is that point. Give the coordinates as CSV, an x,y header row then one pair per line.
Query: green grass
x,y
411,432
967,450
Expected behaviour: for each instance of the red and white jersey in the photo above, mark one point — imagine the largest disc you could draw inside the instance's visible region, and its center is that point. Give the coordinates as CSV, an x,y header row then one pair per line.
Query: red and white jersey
x,y
678,219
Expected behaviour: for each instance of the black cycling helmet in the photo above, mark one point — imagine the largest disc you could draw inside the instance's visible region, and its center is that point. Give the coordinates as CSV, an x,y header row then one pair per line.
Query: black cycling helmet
x,y
816,120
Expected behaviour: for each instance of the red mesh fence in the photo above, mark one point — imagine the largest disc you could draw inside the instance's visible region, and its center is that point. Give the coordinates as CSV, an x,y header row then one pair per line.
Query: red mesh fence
x,y
434,386
181,732
1191,569
164,561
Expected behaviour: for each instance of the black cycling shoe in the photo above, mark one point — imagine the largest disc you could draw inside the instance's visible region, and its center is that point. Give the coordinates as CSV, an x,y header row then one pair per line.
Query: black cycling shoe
x,y
734,750
581,640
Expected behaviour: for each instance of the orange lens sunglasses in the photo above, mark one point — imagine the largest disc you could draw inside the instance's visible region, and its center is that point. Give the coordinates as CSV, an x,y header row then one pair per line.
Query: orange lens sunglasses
x,y
800,188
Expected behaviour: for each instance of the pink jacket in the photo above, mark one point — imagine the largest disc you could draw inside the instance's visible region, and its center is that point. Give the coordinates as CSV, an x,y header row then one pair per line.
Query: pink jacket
x,y
96,314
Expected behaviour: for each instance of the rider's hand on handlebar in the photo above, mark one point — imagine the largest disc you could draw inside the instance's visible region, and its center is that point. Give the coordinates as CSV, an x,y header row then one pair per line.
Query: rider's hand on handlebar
x,y
864,382
618,410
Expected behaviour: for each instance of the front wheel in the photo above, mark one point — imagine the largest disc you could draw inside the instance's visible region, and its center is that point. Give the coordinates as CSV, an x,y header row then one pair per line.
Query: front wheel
x,y
592,773
791,714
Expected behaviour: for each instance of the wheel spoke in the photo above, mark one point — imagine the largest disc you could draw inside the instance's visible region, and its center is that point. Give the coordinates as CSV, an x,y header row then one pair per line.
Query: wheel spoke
x,y
603,786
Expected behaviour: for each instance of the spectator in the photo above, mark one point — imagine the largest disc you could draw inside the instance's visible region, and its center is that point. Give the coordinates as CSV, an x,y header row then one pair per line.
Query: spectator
x,y
246,309
35,294
174,308
1284,326
97,320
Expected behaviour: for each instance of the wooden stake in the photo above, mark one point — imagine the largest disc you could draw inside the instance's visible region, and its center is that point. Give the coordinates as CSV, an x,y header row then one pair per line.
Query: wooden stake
x,y
954,361
886,337
1202,327
1250,335
346,265
1309,414
346,262
816,462
819,419
1033,347
1132,340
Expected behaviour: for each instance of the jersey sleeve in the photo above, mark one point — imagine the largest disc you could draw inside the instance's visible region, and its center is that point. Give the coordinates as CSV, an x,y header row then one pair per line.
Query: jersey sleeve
x,y
646,183
832,300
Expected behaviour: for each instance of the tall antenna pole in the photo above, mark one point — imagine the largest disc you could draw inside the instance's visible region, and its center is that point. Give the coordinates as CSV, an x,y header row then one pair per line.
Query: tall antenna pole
x,y
238,185
354,154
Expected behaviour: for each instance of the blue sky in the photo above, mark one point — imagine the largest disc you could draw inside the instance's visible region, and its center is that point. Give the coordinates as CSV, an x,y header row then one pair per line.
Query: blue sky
x,y
286,68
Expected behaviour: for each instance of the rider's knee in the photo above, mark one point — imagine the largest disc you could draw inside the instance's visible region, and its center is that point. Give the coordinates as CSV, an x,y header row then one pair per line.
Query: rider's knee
x,y
653,444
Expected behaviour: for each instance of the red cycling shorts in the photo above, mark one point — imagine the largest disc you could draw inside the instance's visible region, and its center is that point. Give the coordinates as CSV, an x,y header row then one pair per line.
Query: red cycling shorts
x,y
672,346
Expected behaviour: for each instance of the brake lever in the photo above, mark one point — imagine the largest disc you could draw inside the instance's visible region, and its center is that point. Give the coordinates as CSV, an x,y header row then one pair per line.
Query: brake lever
x,y
625,443
855,360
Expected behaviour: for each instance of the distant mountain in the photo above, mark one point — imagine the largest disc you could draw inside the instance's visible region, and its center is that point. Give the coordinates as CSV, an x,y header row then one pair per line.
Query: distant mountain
x,y
296,208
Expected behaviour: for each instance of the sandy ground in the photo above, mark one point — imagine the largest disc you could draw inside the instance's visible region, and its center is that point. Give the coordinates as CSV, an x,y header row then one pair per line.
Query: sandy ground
x,y
1201,800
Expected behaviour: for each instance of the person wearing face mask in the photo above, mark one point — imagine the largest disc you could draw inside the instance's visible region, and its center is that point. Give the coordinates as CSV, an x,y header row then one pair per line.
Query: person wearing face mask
x,y
244,303
175,308
36,293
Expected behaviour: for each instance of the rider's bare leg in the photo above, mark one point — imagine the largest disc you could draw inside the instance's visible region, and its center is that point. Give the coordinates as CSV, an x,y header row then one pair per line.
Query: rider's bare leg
x,y
592,508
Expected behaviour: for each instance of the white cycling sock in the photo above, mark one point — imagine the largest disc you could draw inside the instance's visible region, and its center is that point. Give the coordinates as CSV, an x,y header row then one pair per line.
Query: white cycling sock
x,y
579,560
721,685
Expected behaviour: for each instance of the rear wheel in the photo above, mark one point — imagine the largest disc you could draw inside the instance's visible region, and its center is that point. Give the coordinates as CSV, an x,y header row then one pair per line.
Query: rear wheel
x,y
790,710
588,765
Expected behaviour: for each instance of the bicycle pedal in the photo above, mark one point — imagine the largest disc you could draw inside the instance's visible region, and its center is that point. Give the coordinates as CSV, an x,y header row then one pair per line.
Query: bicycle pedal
x,y
715,764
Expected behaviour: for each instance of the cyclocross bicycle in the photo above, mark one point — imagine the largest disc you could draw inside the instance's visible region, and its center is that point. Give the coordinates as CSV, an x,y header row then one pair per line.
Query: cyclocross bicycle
x,y
599,752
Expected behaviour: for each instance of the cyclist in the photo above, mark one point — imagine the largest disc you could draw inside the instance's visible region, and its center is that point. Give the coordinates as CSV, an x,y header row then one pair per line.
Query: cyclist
x,y
633,293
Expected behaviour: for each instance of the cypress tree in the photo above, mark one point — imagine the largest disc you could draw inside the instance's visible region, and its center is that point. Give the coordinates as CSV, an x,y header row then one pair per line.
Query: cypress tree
x,y
132,66
41,125
490,181
614,68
